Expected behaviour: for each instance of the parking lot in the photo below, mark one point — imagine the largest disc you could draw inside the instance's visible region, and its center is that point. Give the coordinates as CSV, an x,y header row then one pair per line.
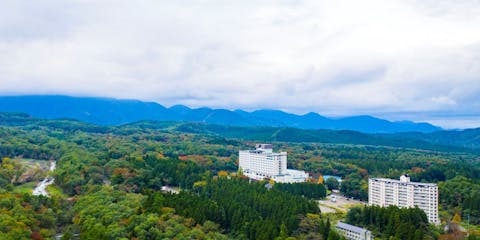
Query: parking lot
x,y
341,204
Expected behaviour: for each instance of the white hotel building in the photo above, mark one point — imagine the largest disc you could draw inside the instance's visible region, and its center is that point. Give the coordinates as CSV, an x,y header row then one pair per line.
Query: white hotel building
x,y
403,193
263,163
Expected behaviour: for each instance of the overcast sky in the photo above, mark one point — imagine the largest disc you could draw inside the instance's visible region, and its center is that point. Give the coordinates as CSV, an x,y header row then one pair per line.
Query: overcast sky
x,y
417,60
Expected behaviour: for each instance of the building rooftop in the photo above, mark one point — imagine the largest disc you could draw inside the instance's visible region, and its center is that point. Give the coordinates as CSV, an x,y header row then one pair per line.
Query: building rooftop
x,y
294,171
402,182
264,146
352,228
260,151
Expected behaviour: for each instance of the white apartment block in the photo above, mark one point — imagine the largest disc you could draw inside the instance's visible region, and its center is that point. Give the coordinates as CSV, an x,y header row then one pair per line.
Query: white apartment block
x,y
403,193
351,232
263,163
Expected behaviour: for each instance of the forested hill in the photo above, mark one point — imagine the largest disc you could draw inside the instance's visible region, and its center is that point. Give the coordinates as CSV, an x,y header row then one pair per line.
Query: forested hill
x,y
108,181
454,141
108,111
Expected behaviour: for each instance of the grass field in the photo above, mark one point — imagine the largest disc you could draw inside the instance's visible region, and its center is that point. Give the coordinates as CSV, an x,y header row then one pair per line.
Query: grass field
x,y
30,163
55,191
25,188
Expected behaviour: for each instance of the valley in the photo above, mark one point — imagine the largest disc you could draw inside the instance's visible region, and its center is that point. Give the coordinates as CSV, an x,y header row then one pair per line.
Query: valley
x,y
118,173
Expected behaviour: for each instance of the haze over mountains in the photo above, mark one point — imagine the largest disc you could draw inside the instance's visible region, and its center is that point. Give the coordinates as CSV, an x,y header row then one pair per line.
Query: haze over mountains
x,y
108,111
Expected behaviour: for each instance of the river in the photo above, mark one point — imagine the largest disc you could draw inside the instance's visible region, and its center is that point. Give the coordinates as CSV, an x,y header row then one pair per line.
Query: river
x,y
41,188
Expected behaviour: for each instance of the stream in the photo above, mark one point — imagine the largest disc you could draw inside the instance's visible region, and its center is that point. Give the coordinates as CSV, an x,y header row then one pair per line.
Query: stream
x,y
41,188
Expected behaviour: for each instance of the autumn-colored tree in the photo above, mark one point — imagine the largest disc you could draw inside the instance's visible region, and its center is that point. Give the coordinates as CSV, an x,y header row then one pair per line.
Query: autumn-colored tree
x,y
222,173
320,179
36,236
456,218
271,181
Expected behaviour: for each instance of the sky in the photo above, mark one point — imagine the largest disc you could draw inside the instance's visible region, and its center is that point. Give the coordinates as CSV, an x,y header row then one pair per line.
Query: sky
x,y
400,60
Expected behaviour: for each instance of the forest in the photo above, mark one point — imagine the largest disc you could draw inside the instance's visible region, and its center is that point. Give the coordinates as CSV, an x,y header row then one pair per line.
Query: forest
x,y
392,222
108,183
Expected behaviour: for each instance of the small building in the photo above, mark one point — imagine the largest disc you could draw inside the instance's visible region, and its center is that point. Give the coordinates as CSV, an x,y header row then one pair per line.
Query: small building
x,y
167,189
353,232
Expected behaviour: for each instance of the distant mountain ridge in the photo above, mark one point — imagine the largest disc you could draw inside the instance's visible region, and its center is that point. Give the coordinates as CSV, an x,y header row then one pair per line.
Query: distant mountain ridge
x,y
109,111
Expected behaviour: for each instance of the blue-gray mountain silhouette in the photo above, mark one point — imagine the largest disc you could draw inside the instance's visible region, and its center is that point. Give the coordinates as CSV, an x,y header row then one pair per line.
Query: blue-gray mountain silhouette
x,y
109,111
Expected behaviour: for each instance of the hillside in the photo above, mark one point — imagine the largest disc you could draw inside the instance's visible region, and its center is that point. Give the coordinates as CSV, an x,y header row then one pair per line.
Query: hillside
x,y
446,141
107,112
108,175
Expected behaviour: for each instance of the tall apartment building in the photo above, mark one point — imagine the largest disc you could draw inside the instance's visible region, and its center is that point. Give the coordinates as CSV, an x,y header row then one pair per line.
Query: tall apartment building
x,y
263,163
403,193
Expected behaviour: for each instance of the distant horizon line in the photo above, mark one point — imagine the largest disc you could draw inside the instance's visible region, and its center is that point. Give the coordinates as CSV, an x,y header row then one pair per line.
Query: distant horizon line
x,y
382,116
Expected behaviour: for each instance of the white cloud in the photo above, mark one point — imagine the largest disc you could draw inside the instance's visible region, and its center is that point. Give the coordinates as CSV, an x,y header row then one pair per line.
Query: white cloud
x,y
333,57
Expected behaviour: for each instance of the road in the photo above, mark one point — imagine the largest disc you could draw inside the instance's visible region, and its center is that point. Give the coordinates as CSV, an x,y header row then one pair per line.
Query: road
x,y
341,204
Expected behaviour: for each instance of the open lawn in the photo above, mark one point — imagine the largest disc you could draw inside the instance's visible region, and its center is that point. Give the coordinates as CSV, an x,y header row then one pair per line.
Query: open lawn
x,y
55,191
25,188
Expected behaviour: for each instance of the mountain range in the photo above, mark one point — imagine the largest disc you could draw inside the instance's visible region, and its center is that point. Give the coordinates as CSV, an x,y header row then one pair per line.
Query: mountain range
x,y
109,111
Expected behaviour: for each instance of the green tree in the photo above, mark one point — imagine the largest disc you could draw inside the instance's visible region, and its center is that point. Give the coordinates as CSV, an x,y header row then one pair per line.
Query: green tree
x,y
283,232
332,183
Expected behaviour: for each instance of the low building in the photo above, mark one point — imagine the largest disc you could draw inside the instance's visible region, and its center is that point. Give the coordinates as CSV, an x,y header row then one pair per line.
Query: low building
x,y
263,163
353,232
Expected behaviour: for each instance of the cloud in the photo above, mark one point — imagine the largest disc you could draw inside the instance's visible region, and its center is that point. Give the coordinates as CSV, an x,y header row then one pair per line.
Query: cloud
x,y
333,57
